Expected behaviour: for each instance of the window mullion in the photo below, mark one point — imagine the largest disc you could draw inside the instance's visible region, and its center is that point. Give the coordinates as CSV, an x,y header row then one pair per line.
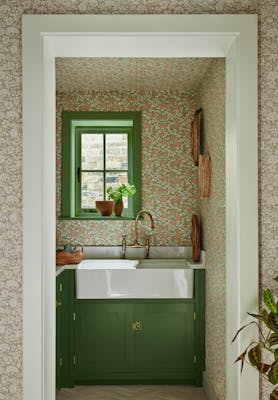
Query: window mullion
x,y
104,165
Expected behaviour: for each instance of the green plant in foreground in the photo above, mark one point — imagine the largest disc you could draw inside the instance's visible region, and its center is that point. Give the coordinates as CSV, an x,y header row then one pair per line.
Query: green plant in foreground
x,y
267,342
122,191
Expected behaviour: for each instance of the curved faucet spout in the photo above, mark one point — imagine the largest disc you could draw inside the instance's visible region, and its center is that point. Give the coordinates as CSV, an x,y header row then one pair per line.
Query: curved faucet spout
x,y
142,212
136,244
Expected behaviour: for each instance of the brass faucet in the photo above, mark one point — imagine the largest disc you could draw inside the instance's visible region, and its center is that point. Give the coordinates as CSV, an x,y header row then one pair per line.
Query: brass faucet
x,y
136,243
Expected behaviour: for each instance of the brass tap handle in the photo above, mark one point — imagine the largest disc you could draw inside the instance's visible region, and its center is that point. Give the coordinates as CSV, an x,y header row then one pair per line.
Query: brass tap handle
x,y
123,247
147,247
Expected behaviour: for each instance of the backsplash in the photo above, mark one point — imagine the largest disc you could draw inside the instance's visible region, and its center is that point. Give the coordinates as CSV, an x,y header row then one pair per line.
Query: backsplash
x,y
169,187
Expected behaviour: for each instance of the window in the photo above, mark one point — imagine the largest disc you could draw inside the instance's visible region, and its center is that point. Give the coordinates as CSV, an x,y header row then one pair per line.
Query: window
x,y
99,149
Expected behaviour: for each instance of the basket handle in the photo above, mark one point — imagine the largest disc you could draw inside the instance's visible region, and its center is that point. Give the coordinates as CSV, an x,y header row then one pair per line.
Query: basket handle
x,y
78,245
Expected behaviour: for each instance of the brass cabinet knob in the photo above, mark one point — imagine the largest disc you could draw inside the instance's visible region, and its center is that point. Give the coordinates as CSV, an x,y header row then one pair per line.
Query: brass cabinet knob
x,y
136,326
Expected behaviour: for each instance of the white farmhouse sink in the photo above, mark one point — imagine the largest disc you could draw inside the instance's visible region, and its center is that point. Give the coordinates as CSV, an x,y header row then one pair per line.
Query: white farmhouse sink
x,y
107,264
116,279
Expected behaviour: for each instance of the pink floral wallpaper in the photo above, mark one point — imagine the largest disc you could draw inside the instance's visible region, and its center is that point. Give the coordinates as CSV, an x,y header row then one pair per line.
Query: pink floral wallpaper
x,y
169,186
211,96
11,241
130,74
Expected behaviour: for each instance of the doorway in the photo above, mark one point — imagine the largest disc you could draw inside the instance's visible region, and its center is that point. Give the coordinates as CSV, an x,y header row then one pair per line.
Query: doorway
x,y
53,36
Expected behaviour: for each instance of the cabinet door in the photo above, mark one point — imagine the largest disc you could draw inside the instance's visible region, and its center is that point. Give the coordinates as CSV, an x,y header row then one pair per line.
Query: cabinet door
x,y
102,339
165,344
59,341
64,328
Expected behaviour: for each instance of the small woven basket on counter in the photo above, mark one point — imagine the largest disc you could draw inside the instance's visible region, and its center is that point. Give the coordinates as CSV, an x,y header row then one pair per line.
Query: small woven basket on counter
x,y
64,257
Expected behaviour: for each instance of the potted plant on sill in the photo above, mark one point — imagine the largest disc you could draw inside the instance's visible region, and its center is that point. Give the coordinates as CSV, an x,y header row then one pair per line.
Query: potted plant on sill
x,y
105,207
117,195
267,321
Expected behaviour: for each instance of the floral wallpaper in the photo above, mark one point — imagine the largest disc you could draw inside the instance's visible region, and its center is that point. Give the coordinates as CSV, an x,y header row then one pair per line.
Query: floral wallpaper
x,y
130,74
211,95
11,262
169,187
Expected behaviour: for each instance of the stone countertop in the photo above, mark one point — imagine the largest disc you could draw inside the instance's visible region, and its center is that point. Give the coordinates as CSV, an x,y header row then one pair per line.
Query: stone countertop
x,y
160,257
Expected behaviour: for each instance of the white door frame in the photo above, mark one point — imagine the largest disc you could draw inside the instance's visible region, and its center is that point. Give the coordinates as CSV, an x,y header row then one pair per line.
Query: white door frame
x,y
48,36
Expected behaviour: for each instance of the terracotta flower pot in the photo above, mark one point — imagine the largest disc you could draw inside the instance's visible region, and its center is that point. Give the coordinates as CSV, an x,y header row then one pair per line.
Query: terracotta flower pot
x,y
105,207
118,208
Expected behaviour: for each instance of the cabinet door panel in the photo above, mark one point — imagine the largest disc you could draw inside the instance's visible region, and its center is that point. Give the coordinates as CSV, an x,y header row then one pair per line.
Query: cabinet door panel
x,y
102,339
165,342
59,350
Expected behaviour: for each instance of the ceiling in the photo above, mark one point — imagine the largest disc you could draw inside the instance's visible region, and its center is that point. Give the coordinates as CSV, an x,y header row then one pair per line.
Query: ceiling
x,y
130,74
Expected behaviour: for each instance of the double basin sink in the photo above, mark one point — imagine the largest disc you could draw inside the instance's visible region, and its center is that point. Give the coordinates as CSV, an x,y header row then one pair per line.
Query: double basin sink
x,y
134,279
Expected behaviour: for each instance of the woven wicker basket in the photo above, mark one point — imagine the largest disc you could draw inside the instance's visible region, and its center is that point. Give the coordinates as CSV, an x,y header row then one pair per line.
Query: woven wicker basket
x,y
204,175
195,136
64,257
196,237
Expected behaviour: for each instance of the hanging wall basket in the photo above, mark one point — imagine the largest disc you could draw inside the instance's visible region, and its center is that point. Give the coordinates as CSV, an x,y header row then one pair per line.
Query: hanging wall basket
x,y
204,175
195,136
196,237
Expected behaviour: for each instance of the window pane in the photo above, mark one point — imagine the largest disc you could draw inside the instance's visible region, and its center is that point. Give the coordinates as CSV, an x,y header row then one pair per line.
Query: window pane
x,y
91,188
91,151
116,151
115,179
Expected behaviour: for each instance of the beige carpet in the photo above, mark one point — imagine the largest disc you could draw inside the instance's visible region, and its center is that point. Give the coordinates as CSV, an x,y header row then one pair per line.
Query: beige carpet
x,y
132,392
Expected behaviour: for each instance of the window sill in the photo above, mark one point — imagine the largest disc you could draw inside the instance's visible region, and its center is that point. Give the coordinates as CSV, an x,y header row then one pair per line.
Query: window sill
x,y
97,218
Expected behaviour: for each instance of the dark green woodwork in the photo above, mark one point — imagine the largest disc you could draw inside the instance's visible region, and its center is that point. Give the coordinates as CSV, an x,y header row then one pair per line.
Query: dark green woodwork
x,y
59,351
64,329
164,343
70,205
199,298
103,342
169,348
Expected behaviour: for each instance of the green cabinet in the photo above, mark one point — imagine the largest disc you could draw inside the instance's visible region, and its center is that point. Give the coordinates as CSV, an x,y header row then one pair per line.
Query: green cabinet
x,y
164,346
102,339
59,339
64,329
129,341
136,341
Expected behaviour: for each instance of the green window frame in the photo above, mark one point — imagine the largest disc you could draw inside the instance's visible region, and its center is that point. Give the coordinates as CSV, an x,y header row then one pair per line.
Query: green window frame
x,y
78,122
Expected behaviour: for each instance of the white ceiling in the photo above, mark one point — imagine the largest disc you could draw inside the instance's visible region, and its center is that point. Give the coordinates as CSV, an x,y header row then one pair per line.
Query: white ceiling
x,y
130,74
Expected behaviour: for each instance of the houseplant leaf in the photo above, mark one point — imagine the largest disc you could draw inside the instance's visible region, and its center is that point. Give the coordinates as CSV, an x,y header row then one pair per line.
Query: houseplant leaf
x,y
241,358
255,355
243,327
268,318
269,301
274,395
273,339
272,321
273,373
263,367
257,316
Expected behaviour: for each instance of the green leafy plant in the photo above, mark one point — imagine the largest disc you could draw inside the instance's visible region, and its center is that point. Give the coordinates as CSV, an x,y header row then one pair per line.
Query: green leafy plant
x,y
267,343
122,191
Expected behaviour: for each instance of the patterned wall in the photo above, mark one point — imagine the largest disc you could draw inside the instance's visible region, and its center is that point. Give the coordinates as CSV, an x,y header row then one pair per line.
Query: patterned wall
x,y
169,189
212,210
11,146
130,74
